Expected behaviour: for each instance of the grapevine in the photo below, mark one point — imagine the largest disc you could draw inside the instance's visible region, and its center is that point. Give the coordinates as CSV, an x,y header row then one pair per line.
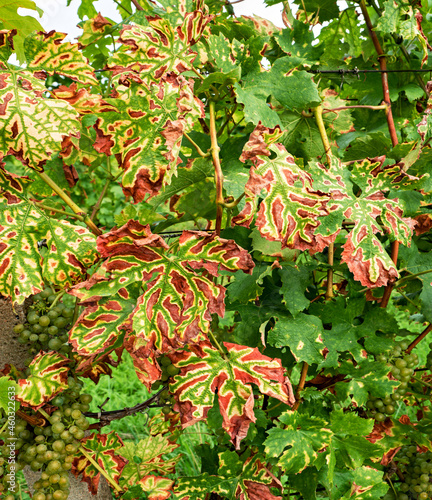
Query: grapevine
x,y
233,217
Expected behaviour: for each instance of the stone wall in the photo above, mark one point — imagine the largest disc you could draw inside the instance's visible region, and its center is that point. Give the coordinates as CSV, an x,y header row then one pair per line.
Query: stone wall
x,y
13,353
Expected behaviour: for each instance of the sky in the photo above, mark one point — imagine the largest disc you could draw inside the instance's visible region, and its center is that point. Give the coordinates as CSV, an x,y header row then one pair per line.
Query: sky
x,y
61,18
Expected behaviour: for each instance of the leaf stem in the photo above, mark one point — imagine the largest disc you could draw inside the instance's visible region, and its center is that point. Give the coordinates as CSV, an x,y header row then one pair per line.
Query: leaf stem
x,y
355,106
199,75
58,211
217,166
218,346
70,203
195,145
99,202
100,469
411,277
419,338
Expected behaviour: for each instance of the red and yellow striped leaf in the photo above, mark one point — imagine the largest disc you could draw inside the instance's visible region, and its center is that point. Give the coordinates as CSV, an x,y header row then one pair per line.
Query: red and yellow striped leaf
x,y
46,54
157,488
177,302
71,249
168,109
48,377
31,126
102,449
158,49
99,325
205,373
250,480
363,251
290,209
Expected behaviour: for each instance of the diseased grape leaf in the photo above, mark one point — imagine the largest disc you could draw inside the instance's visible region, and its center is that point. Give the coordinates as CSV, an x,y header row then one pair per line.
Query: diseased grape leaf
x,y
290,210
102,449
31,126
295,280
298,444
168,109
158,49
98,326
46,54
249,480
10,20
177,302
146,465
47,378
70,250
359,196
205,373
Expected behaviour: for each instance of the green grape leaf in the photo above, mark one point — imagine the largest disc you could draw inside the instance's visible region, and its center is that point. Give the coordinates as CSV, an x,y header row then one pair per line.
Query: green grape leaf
x,y
145,459
101,448
363,252
70,249
31,127
177,301
250,480
8,389
295,281
348,444
298,444
46,54
258,86
369,377
47,378
324,10
302,334
290,210
168,109
158,49
23,25
204,373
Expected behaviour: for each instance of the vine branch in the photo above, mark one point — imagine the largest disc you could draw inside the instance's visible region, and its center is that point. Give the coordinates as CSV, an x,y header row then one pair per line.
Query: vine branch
x,y
301,385
418,339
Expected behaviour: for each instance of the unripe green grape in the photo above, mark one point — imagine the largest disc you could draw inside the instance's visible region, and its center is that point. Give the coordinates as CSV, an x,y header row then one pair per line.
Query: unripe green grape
x,y
172,370
58,445
34,337
380,417
18,328
35,465
44,321
51,299
52,314
79,434
55,344
58,427
40,438
60,322
43,338
166,410
32,318
67,312
39,496
86,399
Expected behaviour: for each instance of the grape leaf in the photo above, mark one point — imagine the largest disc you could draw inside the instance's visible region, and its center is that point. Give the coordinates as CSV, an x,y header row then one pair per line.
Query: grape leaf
x,y
363,251
101,448
298,444
302,334
258,86
46,54
290,210
158,49
177,301
204,373
23,25
47,378
97,328
70,249
156,488
31,127
145,459
168,109
250,480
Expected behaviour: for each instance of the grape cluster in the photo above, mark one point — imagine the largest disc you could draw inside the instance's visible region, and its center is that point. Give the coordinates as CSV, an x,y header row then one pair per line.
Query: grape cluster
x,y
417,472
402,368
52,448
47,326
168,371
